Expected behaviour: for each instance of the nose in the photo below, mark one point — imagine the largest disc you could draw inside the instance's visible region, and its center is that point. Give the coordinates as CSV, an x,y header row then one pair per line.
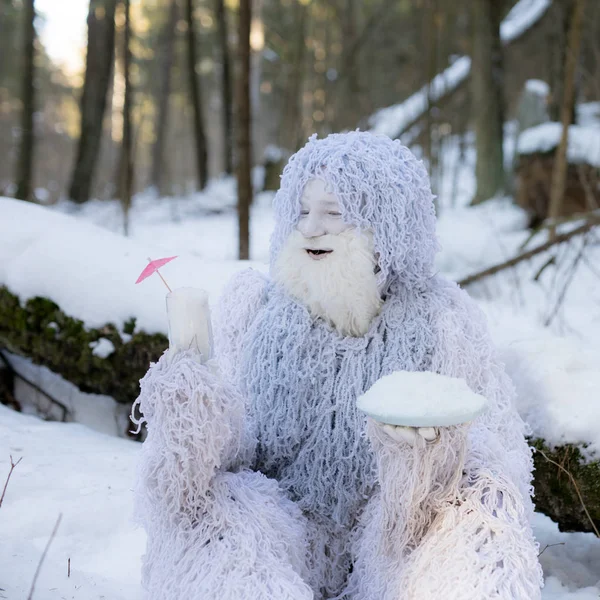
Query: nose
x,y
310,227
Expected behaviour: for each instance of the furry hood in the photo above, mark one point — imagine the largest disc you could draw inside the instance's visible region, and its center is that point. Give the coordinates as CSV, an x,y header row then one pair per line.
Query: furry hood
x,y
381,186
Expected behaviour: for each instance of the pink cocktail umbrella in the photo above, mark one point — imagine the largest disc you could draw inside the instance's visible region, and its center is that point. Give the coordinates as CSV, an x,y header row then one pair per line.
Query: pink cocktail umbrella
x,y
153,267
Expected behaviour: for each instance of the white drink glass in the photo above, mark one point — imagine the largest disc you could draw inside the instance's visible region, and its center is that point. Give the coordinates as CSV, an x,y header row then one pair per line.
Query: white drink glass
x,y
189,321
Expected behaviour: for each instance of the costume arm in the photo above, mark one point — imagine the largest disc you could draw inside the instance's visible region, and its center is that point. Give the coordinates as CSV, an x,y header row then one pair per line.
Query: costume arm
x,y
484,537
196,423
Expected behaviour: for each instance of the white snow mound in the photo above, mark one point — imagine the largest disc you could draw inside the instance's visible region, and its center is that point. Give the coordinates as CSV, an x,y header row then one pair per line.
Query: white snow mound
x,y
583,145
90,272
421,399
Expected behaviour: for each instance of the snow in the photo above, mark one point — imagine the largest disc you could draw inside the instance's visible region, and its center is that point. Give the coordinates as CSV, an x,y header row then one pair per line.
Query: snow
x,y
583,142
421,400
98,412
90,272
537,87
394,120
102,348
523,15
588,114
87,477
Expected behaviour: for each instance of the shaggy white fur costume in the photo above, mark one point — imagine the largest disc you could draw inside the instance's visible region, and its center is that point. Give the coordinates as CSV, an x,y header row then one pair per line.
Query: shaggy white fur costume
x,y
260,479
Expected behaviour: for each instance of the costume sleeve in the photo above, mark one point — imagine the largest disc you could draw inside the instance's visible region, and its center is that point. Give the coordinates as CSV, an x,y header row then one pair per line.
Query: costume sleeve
x,y
196,421
239,304
483,538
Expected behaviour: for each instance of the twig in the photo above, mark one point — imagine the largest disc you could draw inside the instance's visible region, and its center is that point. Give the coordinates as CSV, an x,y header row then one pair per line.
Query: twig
x,y
589,224
549,262
574,482
12,468
39,567
550,546
36,387
547,224
568,282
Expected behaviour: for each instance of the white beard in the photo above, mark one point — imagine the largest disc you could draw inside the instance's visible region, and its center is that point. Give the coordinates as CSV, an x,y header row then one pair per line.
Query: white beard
x,y
342,287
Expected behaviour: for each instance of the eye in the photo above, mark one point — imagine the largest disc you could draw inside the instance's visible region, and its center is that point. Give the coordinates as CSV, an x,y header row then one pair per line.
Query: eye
x,y
335,213
303,213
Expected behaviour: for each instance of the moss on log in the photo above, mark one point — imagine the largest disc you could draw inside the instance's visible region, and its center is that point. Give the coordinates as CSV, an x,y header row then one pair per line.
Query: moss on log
x,y
555,494
41,331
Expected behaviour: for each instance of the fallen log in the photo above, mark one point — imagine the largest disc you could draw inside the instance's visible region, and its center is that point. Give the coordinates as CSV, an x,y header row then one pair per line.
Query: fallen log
x,y
39,330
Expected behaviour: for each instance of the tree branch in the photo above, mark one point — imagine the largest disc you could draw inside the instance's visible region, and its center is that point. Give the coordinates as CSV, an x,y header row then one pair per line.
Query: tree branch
x,y
587,226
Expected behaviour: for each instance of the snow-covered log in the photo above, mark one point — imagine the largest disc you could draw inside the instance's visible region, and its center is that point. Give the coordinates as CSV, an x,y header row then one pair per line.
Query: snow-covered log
x,y
110,359
537,148
399,118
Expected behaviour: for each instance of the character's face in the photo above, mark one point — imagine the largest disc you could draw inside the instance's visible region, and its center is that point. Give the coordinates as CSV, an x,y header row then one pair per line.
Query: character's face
x,y
329,265
320,215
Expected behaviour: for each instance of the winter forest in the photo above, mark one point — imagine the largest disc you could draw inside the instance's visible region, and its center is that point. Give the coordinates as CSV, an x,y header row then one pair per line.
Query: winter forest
x,y
136,130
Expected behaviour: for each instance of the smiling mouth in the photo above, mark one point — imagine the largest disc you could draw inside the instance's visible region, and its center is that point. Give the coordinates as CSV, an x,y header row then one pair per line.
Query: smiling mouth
x,y
318,254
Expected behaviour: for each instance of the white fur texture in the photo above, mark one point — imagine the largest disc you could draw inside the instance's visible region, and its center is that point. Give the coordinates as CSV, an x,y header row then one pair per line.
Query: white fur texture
x,y
347,510
340,288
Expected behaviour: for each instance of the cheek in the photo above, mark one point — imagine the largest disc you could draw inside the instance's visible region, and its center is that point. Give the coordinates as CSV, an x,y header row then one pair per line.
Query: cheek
x,y
336,225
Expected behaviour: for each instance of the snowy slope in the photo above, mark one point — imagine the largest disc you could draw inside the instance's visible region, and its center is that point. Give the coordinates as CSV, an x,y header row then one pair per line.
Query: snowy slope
x,y
90,271
87,477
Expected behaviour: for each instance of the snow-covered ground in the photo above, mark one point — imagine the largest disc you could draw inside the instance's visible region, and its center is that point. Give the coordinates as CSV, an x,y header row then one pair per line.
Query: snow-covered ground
x,y
87,477
79,258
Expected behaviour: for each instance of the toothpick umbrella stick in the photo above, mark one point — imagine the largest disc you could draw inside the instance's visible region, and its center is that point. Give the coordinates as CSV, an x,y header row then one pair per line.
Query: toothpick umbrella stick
x,y
153,267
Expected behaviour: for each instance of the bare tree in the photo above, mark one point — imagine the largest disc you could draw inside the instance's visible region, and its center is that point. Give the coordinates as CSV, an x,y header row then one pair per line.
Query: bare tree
x,y
98,70
196,97
226,93
243,126
159,160
290,133
559,172
25,160
487,92
557,50
126,158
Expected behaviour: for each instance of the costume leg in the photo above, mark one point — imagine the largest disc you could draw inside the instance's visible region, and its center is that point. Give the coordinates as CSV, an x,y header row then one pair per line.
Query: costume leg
x,y
432,531
471,553
249,543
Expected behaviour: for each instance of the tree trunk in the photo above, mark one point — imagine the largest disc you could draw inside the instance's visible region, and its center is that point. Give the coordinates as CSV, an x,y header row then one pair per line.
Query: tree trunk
x,y
558,57
243,126
126,160
25,160
196,97
559,172
226,94
159,160
290,133
487,91
99,65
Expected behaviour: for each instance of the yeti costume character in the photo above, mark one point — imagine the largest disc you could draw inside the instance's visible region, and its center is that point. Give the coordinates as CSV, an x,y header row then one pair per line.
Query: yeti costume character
x,y
261,480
